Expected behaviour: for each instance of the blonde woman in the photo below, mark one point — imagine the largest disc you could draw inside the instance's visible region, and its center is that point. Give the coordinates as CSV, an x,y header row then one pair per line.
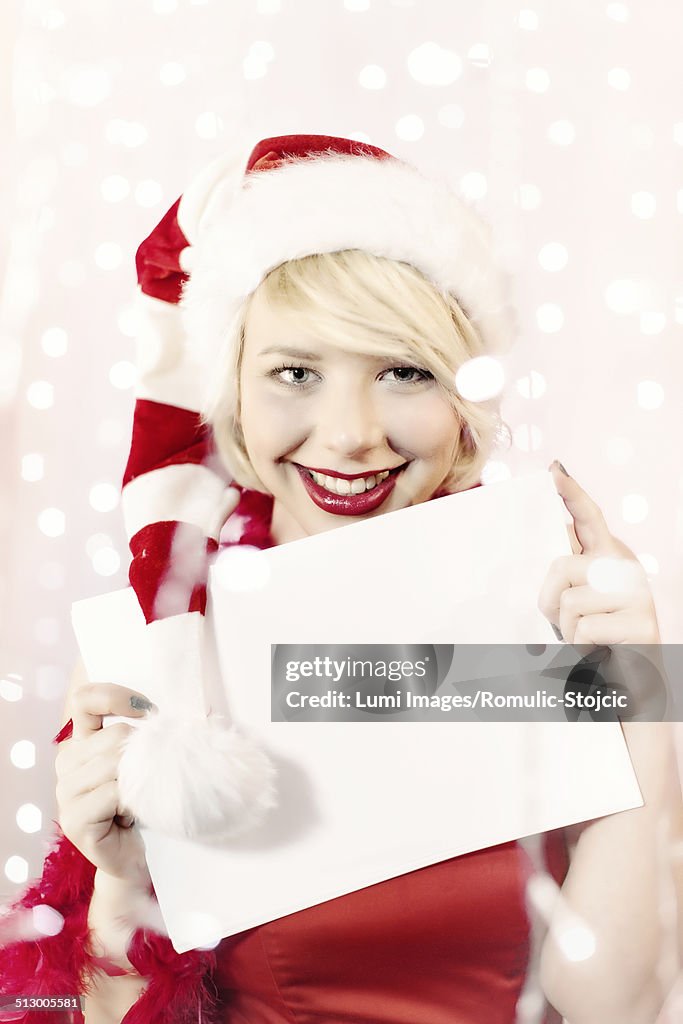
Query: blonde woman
x,y
331,298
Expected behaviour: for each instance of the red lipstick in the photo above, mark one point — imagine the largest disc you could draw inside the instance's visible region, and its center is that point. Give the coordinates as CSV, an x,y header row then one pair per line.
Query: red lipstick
x,y
348,504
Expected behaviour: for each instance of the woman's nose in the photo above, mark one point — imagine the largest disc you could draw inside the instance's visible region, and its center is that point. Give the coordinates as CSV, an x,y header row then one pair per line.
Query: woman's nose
x,y
351,423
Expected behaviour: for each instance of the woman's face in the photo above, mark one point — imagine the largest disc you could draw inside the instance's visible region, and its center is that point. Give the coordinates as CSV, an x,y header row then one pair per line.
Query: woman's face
x,y
337,436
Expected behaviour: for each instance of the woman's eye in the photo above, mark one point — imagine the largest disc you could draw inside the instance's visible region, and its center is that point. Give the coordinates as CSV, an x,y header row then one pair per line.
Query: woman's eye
x,y
410,374
292,374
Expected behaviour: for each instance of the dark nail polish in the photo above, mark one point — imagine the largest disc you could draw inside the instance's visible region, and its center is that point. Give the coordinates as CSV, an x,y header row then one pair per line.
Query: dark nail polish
x,y
560,466
141,704
557,633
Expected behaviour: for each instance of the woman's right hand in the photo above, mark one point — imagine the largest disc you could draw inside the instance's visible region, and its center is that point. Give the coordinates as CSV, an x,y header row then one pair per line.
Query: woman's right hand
x,y
90,813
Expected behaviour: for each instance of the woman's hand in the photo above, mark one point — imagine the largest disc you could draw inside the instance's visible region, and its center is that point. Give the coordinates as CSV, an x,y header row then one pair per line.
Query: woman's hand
x,y
599,595
90,813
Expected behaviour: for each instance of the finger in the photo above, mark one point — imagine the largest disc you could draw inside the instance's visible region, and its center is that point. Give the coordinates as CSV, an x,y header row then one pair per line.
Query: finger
x,y
573,539
566,571
95,700
589,523
605,629
95,773
578,602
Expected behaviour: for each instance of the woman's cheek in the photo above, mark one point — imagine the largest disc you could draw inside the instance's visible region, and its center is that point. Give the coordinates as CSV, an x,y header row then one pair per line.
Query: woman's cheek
x,y
427,426
274,426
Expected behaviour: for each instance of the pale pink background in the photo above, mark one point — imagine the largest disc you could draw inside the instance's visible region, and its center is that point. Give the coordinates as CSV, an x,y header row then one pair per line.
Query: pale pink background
x,y
564,125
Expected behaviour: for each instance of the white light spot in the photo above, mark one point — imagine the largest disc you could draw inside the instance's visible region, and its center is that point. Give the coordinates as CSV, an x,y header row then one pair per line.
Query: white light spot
x,y
577,942
46,632
104,497
411,127
619,450
115,188
451,116
480,379
52,522
528,197
51,575
71,274
479,55
172,73
372,77
431,64
532,386
123,375
527,437
537,80
360,137
549,318
650,394
634,508
652,322
47,920
473,185
148,193
614,575
495,471
29,818
622,296
16,869
262,50
643,204
208,125
32,467
241,568
126,133
618,12
527,20
110,433
40,394
106,562
23,754
649,563
87,85
619,78
553,257
357,5
11,690
108,255
562,133
54,342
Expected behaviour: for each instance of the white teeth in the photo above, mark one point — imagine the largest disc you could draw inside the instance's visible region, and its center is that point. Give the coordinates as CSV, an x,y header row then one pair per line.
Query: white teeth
x,y
336,485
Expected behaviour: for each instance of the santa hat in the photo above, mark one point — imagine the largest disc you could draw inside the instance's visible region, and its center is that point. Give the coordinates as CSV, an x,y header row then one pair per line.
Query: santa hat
x,y
299,195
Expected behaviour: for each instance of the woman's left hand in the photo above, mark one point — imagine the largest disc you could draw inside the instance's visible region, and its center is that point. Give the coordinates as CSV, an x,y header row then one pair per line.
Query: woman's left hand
x,y
600,594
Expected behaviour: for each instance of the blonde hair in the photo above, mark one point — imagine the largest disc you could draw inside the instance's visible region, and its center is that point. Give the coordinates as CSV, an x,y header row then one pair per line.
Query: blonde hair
x,y
364,303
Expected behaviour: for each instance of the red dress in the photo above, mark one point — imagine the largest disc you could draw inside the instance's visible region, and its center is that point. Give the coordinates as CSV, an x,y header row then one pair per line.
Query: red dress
x,y
446,944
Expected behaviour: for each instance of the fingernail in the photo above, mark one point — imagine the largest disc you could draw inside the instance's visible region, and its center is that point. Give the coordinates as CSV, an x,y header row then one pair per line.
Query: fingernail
x,y
557,633
140,703
559,466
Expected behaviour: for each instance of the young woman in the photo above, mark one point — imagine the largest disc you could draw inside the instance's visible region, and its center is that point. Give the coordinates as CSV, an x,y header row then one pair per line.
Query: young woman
x,y
333,399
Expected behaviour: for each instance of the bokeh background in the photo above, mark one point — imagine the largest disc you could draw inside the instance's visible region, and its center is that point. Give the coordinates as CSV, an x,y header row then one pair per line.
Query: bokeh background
x,y
561,122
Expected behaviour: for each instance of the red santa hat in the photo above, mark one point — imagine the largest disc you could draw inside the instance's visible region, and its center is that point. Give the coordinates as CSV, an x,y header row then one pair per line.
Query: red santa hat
x,y
299,195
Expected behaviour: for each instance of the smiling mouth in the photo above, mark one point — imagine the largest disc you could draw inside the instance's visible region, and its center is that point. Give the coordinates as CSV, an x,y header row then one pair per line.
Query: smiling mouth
x,y
349,496
346,484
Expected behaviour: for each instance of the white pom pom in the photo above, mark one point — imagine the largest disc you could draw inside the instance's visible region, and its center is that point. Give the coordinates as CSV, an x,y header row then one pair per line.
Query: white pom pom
x,y
194,777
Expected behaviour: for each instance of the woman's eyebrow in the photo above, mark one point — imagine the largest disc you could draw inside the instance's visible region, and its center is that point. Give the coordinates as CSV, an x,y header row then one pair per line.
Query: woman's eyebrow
x,y
287,350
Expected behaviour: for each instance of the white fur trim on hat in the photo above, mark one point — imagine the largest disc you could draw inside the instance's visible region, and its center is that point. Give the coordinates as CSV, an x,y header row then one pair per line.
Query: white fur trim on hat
x,y
329,203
